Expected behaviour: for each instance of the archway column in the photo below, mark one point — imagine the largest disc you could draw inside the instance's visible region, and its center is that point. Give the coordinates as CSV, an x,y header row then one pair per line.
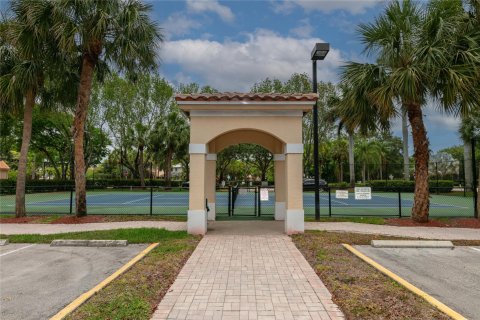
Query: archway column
x,y
279,170
211,184
294,214
197,216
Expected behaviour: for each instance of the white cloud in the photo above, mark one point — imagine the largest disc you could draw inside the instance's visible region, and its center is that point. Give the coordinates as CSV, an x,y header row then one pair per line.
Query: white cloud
x,y
236,66
224,12
303,30
327,6
178,24
440,121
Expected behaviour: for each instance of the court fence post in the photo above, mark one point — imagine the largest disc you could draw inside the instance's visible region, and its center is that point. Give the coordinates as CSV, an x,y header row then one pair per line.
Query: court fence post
x,y
259,205
151,200
229,201
71,199
329,202
399,203
475,180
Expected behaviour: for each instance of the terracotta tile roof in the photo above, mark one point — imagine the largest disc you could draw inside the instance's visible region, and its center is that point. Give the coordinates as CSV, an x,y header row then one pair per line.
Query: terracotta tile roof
x,y
236,96
3,165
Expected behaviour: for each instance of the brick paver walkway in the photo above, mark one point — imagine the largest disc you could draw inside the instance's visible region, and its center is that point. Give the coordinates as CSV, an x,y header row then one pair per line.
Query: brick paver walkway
x,y
247,277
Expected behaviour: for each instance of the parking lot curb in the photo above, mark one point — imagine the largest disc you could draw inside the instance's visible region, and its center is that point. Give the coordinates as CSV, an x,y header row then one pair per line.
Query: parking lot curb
x,y
442,307
88,243
87,295
412,244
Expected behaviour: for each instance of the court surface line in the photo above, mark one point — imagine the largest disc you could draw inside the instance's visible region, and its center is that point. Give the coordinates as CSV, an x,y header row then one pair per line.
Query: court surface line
x,y
13,251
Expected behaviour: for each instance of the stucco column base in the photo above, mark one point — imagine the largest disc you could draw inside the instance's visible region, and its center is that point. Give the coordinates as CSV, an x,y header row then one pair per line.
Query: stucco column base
x,y
294,221
279,210
197,222
211,214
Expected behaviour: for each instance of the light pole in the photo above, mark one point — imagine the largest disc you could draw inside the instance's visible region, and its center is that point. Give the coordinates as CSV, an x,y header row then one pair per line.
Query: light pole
x,y
319,52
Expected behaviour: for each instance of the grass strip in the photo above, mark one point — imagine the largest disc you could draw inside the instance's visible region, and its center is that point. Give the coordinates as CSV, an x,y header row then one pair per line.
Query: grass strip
x,y
134,235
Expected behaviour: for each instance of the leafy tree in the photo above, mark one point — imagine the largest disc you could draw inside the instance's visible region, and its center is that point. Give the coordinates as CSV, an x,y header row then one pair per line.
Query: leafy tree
x,y
301,83
132,115
258,157
225,158
116,33
168,137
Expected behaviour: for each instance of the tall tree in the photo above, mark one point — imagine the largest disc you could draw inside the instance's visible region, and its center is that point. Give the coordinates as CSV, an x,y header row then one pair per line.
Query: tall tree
x,y
368,154
170,137
116,33
419,55
26,54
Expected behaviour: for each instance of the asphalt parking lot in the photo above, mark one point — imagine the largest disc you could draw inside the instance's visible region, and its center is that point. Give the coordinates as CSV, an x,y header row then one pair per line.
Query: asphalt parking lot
x,y
450,275
37,281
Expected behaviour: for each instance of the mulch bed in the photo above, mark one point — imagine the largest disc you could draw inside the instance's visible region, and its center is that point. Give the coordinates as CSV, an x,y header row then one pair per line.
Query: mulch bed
x,y
361,292
450,223
31,219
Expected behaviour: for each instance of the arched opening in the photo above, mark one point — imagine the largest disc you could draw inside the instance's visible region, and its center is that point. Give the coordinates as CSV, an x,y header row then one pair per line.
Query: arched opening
x,y
245,183
251,194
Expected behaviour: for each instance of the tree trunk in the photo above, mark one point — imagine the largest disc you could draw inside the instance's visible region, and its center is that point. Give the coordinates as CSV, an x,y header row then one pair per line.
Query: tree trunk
x,y
20,210
141,169
364,169
168,168
467,162
421,203
406,158
84,89
341,172
351,159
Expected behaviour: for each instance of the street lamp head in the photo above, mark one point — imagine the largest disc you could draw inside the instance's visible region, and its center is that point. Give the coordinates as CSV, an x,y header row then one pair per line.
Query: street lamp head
x,y
320,51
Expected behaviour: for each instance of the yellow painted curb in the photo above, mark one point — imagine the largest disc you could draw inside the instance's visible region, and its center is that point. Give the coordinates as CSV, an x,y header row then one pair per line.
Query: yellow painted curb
x,y
448,311
87,295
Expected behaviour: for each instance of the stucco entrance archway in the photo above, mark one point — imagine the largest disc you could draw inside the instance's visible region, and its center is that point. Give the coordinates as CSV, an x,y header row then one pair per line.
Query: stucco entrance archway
x,y
273,121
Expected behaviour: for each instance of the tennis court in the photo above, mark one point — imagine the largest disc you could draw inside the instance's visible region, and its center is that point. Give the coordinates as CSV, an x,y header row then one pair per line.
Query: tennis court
x,y
161,202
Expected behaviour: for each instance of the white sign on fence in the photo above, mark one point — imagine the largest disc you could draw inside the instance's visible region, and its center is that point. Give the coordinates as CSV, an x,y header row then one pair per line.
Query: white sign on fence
x,y
363,193
264,194
341,194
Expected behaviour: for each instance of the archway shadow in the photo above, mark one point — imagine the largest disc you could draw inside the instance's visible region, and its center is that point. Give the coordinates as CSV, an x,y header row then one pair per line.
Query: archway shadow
x,y
250,227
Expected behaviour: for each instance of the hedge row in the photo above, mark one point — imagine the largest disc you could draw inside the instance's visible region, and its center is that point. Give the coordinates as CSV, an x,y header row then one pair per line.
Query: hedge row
x,y
403,185
100,183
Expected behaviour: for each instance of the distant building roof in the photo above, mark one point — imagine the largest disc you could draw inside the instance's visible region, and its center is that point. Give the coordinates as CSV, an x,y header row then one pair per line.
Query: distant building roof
x,y
237,96
4,166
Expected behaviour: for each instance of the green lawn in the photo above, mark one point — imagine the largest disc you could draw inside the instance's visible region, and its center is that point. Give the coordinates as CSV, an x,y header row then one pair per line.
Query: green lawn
x,y
139,235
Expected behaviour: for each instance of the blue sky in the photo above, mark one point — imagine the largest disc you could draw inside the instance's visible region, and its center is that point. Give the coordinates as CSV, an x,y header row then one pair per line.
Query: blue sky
x,y
230,45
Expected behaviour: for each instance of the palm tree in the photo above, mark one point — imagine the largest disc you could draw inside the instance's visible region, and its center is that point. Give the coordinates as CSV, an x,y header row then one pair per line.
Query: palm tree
x,y
26,52
169,138
339,154
112,33
419,55
368,154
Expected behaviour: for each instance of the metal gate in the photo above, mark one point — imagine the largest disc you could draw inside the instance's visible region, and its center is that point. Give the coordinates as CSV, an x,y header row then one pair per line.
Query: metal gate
x,y
245,202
